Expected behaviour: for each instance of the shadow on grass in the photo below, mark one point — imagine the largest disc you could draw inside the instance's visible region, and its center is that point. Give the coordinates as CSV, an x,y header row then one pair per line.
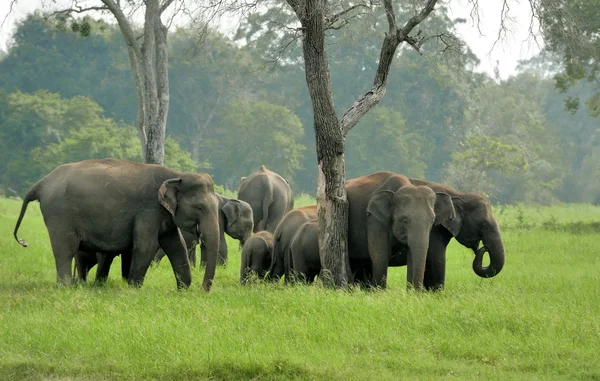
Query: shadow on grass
x,y
280,370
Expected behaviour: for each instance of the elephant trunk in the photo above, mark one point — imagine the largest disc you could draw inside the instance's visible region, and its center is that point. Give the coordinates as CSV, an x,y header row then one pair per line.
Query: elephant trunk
x,y
210,233
419,244
494,246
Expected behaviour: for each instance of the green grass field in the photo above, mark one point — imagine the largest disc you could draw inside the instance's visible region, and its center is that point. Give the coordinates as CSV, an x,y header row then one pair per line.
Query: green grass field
x,y
538,320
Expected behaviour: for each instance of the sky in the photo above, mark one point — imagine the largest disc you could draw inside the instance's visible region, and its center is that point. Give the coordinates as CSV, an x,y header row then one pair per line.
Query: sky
x,y
517,45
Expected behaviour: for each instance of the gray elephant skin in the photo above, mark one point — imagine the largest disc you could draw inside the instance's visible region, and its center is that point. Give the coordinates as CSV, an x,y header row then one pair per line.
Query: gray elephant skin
x,y
87,260
118,206
270,197
256,256
388,214
305,262
283,237
474,224
235,219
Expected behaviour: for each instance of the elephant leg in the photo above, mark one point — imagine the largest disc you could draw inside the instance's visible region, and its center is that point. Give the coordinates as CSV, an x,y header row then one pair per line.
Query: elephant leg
x,y
435,268
145,246
222,260
159,256
125,264
65,245
105,260
380,268
174,246
192,256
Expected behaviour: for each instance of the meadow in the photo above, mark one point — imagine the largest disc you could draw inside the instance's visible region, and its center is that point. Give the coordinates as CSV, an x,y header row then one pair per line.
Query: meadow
x,y
537,320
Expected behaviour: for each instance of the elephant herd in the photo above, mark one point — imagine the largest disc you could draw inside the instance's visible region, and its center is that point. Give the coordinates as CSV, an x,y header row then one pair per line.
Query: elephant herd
x,y
95,210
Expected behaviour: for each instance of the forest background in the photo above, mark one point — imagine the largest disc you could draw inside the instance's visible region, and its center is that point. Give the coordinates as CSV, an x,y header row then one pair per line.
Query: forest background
x,y
66,94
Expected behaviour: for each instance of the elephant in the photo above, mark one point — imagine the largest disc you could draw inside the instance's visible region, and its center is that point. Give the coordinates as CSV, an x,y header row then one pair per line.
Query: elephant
x,y
474,223
283,237
119,206
387,214
305,263
270,197
256,256
87,260
235,219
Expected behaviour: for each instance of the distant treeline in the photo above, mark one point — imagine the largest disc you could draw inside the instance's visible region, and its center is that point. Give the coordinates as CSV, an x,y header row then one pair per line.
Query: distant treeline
x,y
65,97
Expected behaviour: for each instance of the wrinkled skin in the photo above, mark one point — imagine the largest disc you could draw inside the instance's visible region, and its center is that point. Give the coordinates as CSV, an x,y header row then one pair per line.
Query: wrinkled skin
x,y
388,214
118,206
474,223
283,237
270,197
87,260
235,219
256,256
305,262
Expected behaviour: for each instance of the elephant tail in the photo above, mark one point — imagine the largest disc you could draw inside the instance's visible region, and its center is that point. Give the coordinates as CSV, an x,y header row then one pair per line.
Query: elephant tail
x,y
266,203
32,195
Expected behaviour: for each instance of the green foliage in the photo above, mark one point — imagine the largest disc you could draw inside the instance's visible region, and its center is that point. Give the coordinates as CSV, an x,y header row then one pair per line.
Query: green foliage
x,y
252,133
41,131
571,32
537,320
397,149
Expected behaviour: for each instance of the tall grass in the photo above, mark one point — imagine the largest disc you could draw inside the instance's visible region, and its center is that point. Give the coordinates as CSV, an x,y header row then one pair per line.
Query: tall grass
x,y
538,320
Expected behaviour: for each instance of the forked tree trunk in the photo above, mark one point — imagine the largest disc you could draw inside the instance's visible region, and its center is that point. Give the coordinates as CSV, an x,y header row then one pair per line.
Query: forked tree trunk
x,y
332,203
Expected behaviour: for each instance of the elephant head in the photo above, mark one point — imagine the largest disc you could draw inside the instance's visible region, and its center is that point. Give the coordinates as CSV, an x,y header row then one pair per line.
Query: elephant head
x,y
192,202
239,221
475,223
405,216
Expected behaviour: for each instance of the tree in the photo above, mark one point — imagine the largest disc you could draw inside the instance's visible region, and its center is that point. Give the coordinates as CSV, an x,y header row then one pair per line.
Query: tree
x,y
41,131
148,57
382,142
248,134
313,19
571,32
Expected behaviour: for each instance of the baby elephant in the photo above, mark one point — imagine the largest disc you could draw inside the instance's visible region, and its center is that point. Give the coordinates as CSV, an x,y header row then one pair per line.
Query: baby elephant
x,y
256,255
305,263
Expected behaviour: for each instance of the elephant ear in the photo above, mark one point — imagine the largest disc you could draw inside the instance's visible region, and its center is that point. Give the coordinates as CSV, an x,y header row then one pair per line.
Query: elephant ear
x,y
380,206
454,225
167,194
232,210
443,209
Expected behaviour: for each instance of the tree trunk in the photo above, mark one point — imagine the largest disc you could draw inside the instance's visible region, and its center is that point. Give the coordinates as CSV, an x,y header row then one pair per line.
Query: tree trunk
x,y
332,202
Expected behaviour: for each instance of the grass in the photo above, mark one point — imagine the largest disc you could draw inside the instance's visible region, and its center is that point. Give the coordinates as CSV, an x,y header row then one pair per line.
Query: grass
x,y
538,320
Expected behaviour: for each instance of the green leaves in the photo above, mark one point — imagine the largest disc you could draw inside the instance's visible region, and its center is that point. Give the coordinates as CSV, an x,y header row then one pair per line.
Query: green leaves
x,y
251,133
41,131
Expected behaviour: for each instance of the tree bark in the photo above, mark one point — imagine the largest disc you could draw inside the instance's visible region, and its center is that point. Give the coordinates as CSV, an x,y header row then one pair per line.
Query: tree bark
x,y
332,202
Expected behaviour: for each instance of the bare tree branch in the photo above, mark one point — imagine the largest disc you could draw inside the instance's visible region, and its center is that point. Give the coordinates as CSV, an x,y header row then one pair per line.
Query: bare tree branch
x,y
165,5
78,9
388,50
10,11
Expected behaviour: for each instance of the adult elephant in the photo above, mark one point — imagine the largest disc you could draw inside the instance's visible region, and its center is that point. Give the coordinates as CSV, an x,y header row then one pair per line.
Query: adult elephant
x,y
270,197
387,214
283,237
118,206
474,224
